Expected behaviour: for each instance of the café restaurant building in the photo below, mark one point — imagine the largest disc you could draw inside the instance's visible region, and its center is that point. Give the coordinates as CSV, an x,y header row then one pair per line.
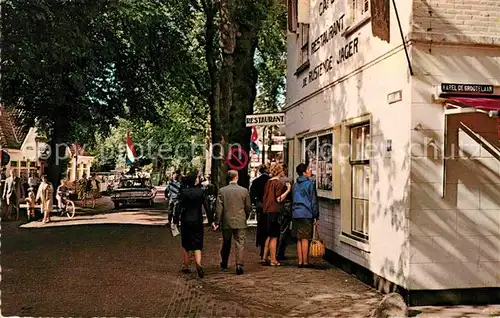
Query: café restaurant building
x,y
396,111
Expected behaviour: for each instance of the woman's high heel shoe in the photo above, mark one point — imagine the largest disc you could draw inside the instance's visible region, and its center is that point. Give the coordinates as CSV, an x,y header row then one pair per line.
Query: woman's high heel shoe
x,y
201,273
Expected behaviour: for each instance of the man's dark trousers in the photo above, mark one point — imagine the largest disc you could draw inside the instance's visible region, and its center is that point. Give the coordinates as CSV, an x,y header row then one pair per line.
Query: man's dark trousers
x,y
239,238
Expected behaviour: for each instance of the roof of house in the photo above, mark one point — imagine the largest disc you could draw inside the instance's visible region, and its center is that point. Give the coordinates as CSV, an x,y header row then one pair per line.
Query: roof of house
x,y
12,133
79,150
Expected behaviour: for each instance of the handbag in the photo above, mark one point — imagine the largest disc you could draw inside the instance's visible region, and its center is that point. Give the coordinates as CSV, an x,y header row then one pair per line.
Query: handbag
x,y
317,248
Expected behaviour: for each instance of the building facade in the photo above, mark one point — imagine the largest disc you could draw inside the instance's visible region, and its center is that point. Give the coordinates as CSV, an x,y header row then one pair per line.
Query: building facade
x,y
390,106
29,152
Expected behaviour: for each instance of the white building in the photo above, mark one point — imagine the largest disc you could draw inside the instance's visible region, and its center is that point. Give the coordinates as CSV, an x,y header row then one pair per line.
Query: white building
x,y
415,206
27,150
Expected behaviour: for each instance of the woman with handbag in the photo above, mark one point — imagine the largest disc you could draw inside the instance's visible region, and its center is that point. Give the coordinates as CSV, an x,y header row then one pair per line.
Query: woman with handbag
x,y
305,212
274,194
191,202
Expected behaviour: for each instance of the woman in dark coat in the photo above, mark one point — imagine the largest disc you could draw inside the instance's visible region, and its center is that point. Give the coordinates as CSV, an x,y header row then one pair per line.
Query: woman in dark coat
x,y
191,200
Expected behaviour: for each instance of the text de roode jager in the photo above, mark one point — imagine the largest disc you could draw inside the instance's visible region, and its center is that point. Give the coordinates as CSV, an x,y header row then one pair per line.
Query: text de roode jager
x,y
345,52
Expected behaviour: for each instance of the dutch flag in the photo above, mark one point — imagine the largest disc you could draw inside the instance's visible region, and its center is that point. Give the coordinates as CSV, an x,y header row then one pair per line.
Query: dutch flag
x,y
130,158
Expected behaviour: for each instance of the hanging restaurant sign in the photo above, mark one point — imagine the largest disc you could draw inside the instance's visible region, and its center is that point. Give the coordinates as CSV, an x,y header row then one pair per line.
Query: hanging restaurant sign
x,y
466,88
265,119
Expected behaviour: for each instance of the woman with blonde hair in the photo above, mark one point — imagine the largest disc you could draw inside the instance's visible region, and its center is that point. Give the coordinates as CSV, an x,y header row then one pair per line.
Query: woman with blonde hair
x,y
274,194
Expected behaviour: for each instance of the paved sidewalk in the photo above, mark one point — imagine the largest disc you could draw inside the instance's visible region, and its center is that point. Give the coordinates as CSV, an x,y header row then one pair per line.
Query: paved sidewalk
x,y
133,270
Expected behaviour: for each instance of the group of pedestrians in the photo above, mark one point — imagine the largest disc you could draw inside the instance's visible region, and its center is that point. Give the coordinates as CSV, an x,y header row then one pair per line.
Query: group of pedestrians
x,y
283,212
88,188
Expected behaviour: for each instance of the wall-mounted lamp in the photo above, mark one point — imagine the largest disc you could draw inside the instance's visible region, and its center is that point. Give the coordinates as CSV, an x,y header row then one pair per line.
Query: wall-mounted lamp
x,y
418,127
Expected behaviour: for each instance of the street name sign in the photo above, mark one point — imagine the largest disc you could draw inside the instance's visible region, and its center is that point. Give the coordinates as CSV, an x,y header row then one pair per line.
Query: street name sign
x,y
466,88
272,119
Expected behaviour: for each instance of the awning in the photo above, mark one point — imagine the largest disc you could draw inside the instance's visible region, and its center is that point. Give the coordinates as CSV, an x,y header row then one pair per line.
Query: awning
x,y
475,102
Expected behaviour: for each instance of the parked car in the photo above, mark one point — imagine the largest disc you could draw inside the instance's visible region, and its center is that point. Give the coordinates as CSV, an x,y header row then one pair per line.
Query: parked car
x,y
133,190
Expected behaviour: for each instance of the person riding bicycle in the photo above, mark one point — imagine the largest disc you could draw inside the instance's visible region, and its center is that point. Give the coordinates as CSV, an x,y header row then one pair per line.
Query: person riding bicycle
x,y
62,194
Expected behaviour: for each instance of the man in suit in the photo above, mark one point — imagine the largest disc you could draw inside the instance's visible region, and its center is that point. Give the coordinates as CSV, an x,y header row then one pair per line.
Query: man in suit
x,y
257,196
233,210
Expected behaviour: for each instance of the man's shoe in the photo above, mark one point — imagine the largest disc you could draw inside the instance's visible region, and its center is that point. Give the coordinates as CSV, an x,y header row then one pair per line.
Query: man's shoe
x,y
223,266
239,270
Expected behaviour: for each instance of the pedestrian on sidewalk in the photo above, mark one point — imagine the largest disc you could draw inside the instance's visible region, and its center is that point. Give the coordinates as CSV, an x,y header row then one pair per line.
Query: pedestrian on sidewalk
x,y
274,194
172,193
46,196
211,197
286,217
305,212
191,202
233,210
82,190
94,189
257,197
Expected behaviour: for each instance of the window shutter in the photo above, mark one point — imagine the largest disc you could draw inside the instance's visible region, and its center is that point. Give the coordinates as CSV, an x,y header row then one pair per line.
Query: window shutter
x,y
292,15
303,11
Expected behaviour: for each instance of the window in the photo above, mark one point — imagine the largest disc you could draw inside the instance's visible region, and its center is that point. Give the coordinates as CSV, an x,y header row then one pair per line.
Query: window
x,y
318,154
360,180
304,44
23,164
292,15
360,9
32,164
14,164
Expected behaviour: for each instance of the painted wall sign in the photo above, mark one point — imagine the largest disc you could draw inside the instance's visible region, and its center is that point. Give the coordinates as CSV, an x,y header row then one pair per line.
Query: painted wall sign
x,y
324,5
345,52
265,119
332,31
466,88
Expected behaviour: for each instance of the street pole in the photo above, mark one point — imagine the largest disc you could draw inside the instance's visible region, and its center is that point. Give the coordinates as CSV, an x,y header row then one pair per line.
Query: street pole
x,y
264,145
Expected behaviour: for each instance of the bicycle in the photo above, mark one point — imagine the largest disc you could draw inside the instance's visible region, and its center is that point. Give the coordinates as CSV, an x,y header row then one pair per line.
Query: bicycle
x,y
68,207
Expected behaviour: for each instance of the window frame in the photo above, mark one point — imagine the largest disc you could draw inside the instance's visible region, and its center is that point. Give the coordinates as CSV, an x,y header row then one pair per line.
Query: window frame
x,y
363,162
347,184
303,45
356,21
357,15
322,193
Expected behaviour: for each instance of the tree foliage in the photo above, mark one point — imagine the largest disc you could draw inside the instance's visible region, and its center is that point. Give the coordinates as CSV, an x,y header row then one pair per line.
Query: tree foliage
x,y
79,68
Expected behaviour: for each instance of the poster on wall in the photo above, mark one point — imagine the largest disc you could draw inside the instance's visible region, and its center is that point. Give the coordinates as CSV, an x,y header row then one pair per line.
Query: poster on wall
x,y
325,163
311,155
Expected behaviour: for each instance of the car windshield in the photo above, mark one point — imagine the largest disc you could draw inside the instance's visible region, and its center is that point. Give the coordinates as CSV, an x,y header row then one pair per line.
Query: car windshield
x,y
135,183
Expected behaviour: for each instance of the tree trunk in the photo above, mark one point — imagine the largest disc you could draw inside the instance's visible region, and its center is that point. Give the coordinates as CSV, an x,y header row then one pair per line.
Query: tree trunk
x,y
57,158
246,18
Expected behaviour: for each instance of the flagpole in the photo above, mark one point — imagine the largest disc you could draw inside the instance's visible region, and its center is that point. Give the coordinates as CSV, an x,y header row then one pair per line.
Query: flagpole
x,y
264,145
403,38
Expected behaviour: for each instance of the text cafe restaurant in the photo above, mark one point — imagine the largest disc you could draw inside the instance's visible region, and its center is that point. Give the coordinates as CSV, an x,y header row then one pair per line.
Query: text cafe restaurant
x,y
403,141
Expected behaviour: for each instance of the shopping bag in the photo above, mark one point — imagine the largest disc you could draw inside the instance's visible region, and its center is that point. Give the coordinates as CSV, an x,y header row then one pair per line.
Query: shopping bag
x,y
317,248
175,230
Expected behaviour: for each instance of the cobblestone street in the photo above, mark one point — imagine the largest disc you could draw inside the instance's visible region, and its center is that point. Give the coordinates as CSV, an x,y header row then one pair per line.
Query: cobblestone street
x,y
133,270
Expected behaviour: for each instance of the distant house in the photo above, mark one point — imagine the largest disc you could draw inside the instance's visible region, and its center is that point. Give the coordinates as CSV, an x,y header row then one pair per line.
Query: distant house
x,y
29,151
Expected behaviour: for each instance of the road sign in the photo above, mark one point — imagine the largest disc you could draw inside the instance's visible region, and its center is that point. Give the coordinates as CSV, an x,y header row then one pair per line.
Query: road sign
x,y
271,119
237,158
